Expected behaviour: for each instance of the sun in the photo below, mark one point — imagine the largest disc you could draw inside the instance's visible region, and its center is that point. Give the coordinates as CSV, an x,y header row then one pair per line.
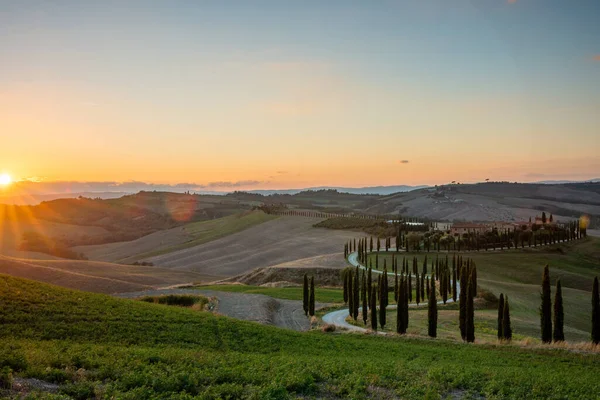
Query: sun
x,y
5,179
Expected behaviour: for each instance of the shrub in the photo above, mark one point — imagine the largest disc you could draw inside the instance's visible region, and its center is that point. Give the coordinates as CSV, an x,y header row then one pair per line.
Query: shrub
x,y
328,328
6,378
182,300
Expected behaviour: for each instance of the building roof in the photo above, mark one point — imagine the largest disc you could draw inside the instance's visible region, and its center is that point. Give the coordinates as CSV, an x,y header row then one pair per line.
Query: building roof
x,y
467,225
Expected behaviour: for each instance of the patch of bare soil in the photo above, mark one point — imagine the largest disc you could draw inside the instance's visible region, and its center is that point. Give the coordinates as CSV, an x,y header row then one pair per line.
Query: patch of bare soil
x,y
283,240
276,275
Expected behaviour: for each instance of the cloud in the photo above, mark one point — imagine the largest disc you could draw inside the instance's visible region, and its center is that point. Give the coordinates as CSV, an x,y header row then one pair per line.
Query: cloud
x,y
597,57
282,172
404,161
512,1
35,186
233,184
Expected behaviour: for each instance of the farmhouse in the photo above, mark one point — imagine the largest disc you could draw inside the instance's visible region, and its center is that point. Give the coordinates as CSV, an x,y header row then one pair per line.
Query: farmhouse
x,y
467,227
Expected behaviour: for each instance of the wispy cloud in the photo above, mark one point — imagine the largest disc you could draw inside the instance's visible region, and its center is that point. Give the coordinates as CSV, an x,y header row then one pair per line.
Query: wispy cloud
x,y
512,1
404,161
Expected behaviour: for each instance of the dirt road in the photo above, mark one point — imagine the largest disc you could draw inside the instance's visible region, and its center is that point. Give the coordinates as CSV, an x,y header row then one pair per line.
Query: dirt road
x,y
250,307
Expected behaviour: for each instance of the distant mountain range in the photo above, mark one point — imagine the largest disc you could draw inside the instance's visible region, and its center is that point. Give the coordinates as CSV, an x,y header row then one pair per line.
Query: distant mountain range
x,y
379,190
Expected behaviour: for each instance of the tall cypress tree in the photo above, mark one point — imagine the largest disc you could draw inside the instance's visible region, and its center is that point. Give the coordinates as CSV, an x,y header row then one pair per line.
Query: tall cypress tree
x,y
406,289
374,309
443,285
305,295
595,313
346,272
470,320
400,327
506,328
356,294
558,334
546,308
500,316
432,312
454,288
417,288
409,287
365,313
311,305
462,304
382,303
350,294
369,283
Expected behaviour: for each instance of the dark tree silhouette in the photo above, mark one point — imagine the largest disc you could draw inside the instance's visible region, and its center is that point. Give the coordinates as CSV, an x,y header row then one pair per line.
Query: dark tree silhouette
x,y
558,334
470,320
462,304
546,308
432,312
365,313
374,309
500,315
506,328
305,295
311,305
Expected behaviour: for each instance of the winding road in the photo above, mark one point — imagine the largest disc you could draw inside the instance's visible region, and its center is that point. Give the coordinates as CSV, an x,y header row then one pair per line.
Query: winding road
x,y
338,318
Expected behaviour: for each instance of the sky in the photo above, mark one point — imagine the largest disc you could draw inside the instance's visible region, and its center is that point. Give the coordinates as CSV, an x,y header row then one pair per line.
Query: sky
x,y
279,94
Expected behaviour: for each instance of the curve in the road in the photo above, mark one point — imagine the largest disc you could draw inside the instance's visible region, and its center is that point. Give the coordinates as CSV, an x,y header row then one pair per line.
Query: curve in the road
x,y
338,317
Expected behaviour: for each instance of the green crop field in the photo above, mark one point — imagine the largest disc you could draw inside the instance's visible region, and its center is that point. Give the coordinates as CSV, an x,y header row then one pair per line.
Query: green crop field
x,y
322,295
96,346
518,274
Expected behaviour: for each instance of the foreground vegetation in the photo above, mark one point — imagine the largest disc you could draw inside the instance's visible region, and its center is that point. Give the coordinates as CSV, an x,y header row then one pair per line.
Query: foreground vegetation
x,y
287,293
98,346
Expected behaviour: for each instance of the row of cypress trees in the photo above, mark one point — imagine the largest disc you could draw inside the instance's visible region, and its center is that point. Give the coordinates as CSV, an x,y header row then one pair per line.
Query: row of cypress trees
x,y
468,282
308,296
552,318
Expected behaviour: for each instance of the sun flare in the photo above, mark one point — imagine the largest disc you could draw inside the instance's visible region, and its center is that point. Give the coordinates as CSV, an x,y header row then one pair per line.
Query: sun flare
x,y
5,179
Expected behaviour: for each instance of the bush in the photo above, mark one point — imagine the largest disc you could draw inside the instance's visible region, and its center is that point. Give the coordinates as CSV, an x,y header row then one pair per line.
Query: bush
x,y
6,378
185,300
328,328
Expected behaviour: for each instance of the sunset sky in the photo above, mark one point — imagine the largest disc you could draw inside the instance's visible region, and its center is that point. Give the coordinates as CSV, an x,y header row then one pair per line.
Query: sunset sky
x,y
280,94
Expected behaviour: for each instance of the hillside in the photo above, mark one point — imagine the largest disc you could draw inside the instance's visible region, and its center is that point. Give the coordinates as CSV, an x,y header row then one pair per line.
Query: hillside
x,y
99,277
143,350
494,202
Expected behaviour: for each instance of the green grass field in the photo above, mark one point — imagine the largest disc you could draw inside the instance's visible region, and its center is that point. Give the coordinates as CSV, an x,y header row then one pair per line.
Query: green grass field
x,y
518,274
206,231
288,293
96,346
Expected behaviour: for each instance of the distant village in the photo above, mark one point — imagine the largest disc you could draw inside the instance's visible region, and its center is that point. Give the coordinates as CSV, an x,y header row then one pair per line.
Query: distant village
x,y
540,222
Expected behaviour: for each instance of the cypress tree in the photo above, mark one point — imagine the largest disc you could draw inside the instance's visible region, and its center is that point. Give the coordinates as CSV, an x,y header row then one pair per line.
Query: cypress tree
x,y
365,314
454,289
417,288
311,306
559,317
356,294
443,285
546,308
305,295
374,309
462,304
406,287
428,287
500,316
409,287
432,312
382,294
470,320
350,294
345,286
595,313
400,327
396,288
369,283
474,274
506,328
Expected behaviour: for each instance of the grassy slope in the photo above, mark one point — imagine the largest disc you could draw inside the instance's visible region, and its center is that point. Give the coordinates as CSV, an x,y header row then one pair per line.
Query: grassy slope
x,y
288,293
140,350
205,231
518,273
